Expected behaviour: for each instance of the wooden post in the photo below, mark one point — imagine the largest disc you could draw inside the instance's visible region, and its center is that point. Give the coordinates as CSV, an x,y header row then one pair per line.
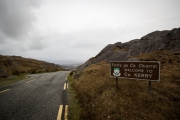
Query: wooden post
x,y
117,82
149,87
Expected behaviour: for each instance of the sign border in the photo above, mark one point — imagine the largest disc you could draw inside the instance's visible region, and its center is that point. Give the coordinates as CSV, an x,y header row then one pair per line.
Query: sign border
x,y
137,78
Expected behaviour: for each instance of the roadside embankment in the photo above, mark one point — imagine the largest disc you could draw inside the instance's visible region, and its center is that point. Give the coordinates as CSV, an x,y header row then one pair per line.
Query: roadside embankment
x,y
100,99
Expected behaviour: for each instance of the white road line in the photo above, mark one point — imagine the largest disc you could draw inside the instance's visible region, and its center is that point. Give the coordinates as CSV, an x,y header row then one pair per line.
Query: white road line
x,y
60,112
30,81
4,91
64,86
66,113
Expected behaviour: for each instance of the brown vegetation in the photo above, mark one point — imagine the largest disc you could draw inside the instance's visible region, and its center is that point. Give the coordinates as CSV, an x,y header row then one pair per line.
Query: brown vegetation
x,y
101,100
15,65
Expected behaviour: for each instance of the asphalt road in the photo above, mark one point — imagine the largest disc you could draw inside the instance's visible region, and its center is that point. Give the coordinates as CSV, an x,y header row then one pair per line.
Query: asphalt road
x,y
36,98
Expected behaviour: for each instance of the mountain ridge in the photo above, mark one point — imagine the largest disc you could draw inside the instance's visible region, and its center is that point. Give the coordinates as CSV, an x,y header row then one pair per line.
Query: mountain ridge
x,y
157,40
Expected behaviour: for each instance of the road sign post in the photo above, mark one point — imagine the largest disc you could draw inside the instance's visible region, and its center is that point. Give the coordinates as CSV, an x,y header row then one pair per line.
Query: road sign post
x,y
149,87
117,86
139,70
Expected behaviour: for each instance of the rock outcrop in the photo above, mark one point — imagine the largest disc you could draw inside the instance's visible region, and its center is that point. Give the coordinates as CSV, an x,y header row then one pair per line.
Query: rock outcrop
x,y
157,40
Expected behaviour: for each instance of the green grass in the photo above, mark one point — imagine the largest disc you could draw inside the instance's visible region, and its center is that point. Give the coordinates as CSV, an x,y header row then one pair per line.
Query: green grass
x,y
8,81
74,109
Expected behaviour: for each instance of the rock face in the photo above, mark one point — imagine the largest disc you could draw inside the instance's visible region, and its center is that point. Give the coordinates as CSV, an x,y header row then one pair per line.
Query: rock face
x,y
157,40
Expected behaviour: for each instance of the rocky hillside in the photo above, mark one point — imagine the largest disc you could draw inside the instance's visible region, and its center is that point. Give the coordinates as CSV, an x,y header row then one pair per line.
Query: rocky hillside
x,y
14,65
157,40
101,98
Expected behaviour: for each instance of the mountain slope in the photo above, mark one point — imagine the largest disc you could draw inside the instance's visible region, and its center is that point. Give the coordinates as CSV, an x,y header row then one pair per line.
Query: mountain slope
x,y
14,65
157,40
101,99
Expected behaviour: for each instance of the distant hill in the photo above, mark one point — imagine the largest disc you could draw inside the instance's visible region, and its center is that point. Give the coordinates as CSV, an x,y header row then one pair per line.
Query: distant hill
x,y
70,66
14,65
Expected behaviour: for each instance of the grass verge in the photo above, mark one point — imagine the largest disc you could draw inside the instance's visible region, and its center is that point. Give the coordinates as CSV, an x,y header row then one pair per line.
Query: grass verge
x,y
14,79
74,109
100,100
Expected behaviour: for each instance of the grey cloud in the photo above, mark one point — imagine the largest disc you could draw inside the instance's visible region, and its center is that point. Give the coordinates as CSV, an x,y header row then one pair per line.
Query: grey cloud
x,y
63,30
2,38
39,40
10,47
38,44
17,16
95,38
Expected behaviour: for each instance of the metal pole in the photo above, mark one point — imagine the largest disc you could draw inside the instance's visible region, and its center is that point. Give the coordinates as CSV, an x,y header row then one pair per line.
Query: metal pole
x,y
149,87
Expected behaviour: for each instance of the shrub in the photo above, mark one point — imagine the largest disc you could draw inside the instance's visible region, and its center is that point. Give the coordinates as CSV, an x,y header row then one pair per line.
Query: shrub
x,y
16,72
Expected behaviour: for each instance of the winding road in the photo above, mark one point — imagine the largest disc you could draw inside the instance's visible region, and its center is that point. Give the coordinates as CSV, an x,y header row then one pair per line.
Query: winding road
x,y
40,97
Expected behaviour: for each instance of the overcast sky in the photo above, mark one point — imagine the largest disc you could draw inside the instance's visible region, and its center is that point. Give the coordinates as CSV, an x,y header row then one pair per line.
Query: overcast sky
x,y
76,30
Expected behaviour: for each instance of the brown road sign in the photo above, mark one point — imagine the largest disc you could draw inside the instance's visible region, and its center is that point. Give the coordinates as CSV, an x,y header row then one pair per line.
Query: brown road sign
x,y
144,70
